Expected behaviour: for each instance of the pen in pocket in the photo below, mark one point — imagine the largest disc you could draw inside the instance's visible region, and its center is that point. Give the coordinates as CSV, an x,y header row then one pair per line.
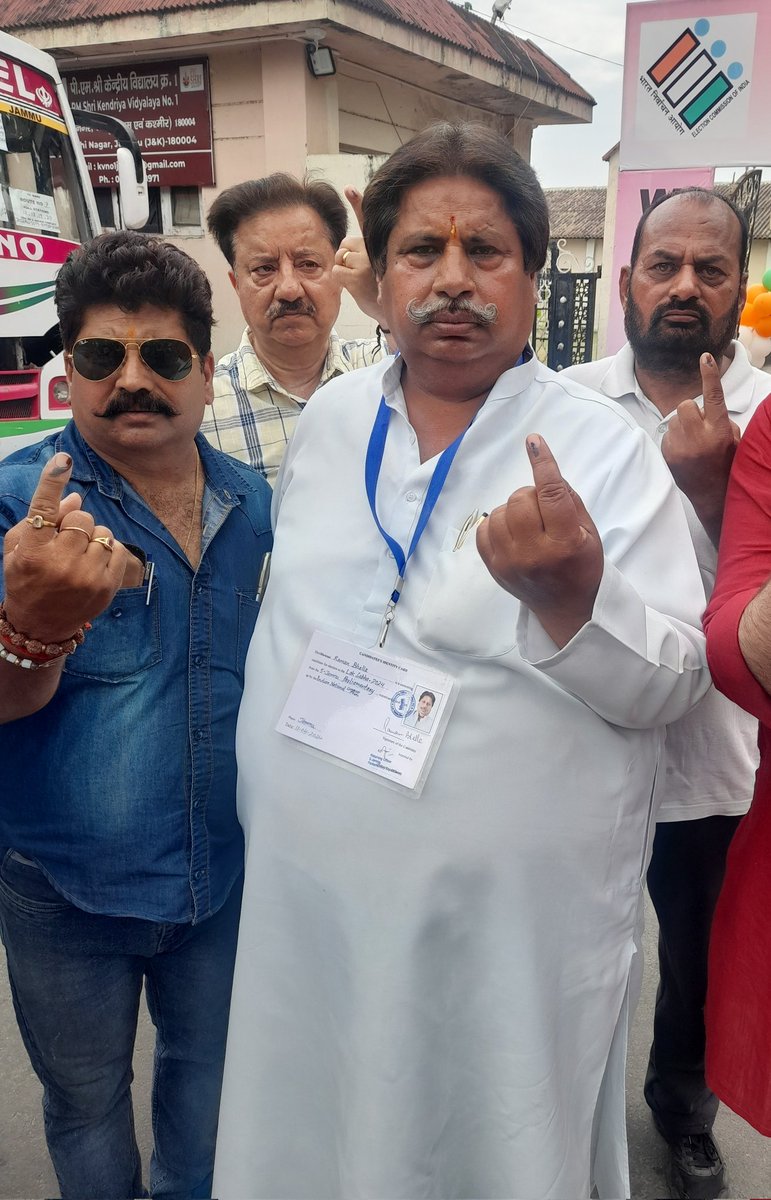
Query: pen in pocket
x,y
262,582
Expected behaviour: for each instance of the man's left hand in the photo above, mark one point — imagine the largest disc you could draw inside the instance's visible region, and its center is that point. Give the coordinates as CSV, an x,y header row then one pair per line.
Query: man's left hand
x,y
699,447
353,270
544,548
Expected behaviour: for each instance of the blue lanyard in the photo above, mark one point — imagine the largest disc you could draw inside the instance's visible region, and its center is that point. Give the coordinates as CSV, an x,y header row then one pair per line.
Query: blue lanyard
x,y
373,464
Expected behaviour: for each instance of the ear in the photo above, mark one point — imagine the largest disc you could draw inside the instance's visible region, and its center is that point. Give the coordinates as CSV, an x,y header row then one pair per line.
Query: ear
x,y
233,280
743,292
207,366
534,282
623,285
68,367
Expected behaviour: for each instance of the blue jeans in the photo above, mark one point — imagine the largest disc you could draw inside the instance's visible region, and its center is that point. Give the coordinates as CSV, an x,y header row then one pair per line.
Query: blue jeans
x,y
76,980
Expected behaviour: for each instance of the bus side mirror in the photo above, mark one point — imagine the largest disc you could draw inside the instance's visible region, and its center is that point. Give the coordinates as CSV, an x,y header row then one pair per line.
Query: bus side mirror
x,y
132,190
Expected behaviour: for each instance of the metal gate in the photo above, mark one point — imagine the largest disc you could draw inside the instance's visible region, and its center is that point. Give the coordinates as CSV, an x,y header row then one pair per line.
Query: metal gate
x,y
745,195
563,328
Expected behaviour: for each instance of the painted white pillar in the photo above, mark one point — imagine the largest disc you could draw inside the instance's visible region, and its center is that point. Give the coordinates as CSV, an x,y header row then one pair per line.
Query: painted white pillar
x,y
284,75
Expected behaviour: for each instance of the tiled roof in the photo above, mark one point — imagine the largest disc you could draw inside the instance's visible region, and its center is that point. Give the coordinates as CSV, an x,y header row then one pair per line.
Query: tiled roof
x,y
440,18
464,28
576,212
580,212
763,214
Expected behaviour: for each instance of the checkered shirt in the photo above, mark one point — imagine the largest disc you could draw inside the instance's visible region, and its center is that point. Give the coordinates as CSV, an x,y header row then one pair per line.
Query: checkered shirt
x,y
253,416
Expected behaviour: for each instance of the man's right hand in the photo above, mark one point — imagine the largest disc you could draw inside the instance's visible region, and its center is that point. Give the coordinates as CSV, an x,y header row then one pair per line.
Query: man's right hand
x,y
58,576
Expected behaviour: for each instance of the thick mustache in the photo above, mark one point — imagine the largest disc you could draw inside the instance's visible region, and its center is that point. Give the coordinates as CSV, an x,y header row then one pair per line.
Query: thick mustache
x,y
291,308
422,314
142,401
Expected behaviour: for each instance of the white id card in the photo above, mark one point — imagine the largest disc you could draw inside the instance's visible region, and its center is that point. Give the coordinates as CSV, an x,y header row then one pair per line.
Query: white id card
x,y
374,711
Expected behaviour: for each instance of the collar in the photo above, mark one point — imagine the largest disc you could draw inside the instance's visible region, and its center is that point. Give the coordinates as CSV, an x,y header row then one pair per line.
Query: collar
x,y
511,383
255,375
225,477
738,381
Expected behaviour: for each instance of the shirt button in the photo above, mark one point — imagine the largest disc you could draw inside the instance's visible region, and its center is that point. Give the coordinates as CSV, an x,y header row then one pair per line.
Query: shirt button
x,y
412,497
198,589
662,427
199,735
200,874
196,804
116,612
198,661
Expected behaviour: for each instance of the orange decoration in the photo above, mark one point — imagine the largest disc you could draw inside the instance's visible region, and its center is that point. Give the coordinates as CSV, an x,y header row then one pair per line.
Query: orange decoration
x,y
763,327
761,306
753,292
747,318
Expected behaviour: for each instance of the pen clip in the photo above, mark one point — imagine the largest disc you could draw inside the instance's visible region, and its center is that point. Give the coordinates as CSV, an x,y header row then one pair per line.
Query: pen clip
x,y
149,576
472,520
264,576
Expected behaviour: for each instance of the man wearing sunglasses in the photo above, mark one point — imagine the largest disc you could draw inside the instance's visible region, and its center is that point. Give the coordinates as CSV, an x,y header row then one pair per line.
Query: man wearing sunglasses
x,y
286,245
128,606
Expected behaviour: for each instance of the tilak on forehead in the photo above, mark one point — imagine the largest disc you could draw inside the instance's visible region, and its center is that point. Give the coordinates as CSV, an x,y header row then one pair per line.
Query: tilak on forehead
x,y
453,228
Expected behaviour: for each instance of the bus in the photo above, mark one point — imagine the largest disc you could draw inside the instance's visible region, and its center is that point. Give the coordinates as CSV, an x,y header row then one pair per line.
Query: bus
x,y
47,208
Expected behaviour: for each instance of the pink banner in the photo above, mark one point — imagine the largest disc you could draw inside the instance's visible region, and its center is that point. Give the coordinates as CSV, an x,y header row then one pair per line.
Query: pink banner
x,y
636,191
697,88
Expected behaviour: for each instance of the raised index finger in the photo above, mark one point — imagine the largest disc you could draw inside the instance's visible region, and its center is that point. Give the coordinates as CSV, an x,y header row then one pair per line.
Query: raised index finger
x,y
354,198
43,516
558,511
715,410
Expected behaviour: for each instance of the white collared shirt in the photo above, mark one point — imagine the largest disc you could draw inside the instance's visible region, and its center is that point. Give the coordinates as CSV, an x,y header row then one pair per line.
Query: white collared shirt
x,y
711,754
253,416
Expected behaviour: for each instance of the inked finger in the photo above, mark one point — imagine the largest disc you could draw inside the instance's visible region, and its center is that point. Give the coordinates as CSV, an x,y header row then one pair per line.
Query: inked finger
x,y
42,519
712,388
558,512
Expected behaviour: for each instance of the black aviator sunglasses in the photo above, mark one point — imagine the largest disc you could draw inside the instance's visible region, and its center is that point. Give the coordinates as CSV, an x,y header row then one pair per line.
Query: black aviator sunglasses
x,y
98,358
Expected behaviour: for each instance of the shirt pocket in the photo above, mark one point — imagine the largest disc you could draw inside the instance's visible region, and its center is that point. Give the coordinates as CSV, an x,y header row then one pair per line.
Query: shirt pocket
x,y
248,608
464,610
125,639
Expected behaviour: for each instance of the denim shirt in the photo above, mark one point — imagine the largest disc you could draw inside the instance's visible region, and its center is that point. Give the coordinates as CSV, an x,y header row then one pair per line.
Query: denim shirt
x,y
123,788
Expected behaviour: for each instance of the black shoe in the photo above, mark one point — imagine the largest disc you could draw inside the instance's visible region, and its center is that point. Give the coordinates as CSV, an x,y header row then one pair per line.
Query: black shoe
x,y
696,1170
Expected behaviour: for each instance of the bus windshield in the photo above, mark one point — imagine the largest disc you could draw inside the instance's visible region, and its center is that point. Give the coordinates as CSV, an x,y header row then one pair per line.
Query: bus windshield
x,y
40,189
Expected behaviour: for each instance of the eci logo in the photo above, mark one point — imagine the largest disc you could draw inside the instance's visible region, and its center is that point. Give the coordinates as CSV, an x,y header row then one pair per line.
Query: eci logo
x,y
689,75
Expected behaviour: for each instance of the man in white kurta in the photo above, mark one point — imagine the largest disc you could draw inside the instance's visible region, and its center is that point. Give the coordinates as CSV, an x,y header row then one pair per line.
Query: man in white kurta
x,y
430,993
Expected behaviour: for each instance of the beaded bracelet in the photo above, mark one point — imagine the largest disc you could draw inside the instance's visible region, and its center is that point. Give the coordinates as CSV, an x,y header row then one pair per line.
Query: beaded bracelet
x,y
29,664
41,652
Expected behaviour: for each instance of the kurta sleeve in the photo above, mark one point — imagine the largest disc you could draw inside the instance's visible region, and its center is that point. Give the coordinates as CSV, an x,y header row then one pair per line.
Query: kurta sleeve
x,y
744,565
640,662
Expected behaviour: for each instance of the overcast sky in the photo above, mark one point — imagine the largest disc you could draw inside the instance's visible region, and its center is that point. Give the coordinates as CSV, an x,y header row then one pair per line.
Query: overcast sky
x,y
572,154
565,155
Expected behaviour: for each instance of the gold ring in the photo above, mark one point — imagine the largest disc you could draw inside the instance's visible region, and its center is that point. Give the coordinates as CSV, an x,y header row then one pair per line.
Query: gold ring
x,y
345,255
37,522
76,529
104,541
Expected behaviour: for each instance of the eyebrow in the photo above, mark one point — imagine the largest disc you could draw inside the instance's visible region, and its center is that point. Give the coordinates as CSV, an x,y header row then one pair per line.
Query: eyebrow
x,y
700,260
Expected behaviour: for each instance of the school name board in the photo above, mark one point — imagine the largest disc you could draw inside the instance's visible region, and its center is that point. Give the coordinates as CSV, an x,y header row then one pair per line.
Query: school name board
x,y
168,107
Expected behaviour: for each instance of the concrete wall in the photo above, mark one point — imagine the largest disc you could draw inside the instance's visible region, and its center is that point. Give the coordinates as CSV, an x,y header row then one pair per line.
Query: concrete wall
x,y
270,114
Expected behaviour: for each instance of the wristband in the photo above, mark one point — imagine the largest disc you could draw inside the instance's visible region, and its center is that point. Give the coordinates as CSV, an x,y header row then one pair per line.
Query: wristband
x,y
40,652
